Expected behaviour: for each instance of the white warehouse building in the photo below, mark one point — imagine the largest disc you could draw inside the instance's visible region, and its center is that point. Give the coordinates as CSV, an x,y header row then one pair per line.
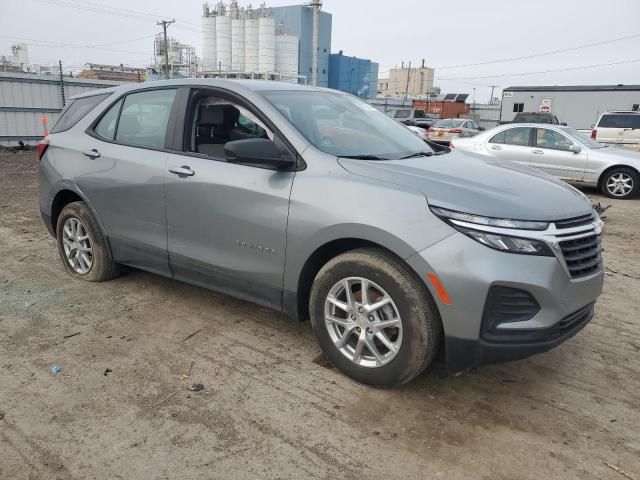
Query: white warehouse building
x,y
247,43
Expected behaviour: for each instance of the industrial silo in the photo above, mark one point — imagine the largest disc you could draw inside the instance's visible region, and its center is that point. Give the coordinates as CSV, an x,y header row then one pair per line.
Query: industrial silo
x,y
237,41
266,43
209,58
287,57
223,39
250,42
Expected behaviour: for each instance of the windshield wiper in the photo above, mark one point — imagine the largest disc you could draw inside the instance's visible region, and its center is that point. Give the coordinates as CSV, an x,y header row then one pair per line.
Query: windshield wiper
x,y
364,157
417,154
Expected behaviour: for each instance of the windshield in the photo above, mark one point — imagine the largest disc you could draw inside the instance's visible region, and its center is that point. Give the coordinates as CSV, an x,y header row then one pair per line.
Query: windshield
x,y
345,126
449,123
583,138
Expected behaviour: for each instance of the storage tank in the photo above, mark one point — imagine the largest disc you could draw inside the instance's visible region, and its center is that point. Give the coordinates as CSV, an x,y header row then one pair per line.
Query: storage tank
x,y
287,47
266,44
223,40
250,43
237,44
209,58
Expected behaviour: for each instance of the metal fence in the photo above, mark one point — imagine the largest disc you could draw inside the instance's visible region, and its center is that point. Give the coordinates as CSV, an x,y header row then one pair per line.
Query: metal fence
x,y
25,99
485,115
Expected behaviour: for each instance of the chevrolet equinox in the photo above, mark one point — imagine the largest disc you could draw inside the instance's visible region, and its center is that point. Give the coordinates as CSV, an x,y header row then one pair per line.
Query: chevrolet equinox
x,y
312,202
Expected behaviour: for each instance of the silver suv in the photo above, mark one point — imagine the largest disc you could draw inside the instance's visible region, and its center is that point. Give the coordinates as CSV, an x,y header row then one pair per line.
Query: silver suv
x,y
312,202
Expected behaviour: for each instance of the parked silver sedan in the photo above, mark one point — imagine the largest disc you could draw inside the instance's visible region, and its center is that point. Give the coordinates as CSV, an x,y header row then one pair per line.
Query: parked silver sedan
x,y
447,129
562,152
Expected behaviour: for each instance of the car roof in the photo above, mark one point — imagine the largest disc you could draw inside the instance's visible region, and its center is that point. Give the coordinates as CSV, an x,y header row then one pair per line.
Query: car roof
x,y
234,85
622,112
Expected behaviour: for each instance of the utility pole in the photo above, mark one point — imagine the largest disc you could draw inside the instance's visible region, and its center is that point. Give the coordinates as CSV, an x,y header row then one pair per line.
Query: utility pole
x,y
406,92
61,83
165,24
491,97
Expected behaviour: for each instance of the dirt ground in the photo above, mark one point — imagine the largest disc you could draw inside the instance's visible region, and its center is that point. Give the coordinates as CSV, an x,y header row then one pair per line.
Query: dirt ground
x,y
271,408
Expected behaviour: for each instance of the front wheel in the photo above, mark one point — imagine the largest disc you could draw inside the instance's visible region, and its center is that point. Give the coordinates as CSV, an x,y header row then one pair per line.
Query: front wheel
x,y
620,183
373,319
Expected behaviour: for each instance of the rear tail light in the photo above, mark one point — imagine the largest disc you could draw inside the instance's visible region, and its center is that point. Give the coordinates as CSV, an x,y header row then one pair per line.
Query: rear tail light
x,y
42,147
594,133
455,130
429,129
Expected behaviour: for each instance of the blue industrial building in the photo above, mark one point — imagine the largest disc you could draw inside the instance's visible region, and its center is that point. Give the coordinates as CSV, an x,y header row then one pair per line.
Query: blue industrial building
x,y
357,76
298,21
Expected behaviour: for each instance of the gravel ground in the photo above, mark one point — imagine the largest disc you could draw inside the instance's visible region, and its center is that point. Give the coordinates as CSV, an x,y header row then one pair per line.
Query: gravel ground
x,y
271,407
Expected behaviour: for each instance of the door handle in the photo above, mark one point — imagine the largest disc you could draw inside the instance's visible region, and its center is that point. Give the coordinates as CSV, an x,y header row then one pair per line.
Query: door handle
x,y
496,147
184,170
538,152
93,153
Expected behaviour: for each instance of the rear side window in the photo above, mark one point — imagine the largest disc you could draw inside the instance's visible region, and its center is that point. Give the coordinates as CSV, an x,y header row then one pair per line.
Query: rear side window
x,y
513,136
106,127
76,110
144,118
620,121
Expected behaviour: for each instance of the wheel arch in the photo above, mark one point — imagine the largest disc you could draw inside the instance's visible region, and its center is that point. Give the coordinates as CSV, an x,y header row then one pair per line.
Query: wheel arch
x,y
297,305
612,167
65,195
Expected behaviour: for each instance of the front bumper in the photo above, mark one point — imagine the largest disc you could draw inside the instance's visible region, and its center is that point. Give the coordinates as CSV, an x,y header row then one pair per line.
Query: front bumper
x,y
468,270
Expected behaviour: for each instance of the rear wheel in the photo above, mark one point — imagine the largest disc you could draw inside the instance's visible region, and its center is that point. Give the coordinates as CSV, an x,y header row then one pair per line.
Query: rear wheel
x,y
620,183
373,319
82,247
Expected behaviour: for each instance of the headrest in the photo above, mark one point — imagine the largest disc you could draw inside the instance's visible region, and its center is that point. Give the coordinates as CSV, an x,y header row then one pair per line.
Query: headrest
x,y
212,115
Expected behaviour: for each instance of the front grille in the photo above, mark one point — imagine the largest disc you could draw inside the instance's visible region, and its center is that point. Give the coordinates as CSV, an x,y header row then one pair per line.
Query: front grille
x,y
582,255
574,222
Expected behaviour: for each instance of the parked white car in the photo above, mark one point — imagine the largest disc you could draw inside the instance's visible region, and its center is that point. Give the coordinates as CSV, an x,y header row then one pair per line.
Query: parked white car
x,y
618,127
447,129
562,152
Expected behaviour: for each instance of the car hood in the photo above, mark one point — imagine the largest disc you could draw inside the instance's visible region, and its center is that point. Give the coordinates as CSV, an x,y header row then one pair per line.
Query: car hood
x,y
474,184
615,154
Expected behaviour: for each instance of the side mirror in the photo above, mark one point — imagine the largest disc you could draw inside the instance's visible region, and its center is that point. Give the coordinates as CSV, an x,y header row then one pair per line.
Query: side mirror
x,y
259,152
482,129
575,148
564,124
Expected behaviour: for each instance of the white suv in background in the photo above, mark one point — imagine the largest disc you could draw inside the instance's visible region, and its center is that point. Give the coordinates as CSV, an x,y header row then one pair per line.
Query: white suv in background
x,y
618,127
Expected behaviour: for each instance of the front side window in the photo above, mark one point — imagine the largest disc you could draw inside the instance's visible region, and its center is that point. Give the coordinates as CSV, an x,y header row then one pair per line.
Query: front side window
x,y
418,114
215,121
546,138
144,118
76,110
513,136
344,126
402,114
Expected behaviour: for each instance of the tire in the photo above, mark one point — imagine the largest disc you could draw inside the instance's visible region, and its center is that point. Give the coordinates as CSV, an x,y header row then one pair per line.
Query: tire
x,y
417,333
96,265
627,176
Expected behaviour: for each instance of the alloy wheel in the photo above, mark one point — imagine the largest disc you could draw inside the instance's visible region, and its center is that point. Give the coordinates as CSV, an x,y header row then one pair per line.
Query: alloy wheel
x,y
363,322
620,184
77,245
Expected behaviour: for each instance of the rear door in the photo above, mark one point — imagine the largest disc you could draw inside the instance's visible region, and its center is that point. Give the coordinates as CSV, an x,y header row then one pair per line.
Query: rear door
x,y
126,152
226,222
633,135
551,154
511,144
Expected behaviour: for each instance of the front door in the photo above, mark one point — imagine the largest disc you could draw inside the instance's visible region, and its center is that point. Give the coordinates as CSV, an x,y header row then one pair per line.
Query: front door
x,y
226,222
552,154
511,144
125,181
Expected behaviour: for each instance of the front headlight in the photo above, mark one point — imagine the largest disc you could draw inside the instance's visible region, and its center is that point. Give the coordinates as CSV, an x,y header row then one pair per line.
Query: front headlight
x,y
494,239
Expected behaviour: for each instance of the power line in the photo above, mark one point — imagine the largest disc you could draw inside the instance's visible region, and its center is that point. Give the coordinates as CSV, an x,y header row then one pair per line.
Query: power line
x,y
545,71
552,52
54,44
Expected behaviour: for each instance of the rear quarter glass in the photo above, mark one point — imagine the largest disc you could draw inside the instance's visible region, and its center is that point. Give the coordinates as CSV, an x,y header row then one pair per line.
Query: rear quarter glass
x,y
76,110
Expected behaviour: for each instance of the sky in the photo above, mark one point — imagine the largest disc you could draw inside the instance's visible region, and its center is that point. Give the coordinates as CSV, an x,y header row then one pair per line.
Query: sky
x,y
445,34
